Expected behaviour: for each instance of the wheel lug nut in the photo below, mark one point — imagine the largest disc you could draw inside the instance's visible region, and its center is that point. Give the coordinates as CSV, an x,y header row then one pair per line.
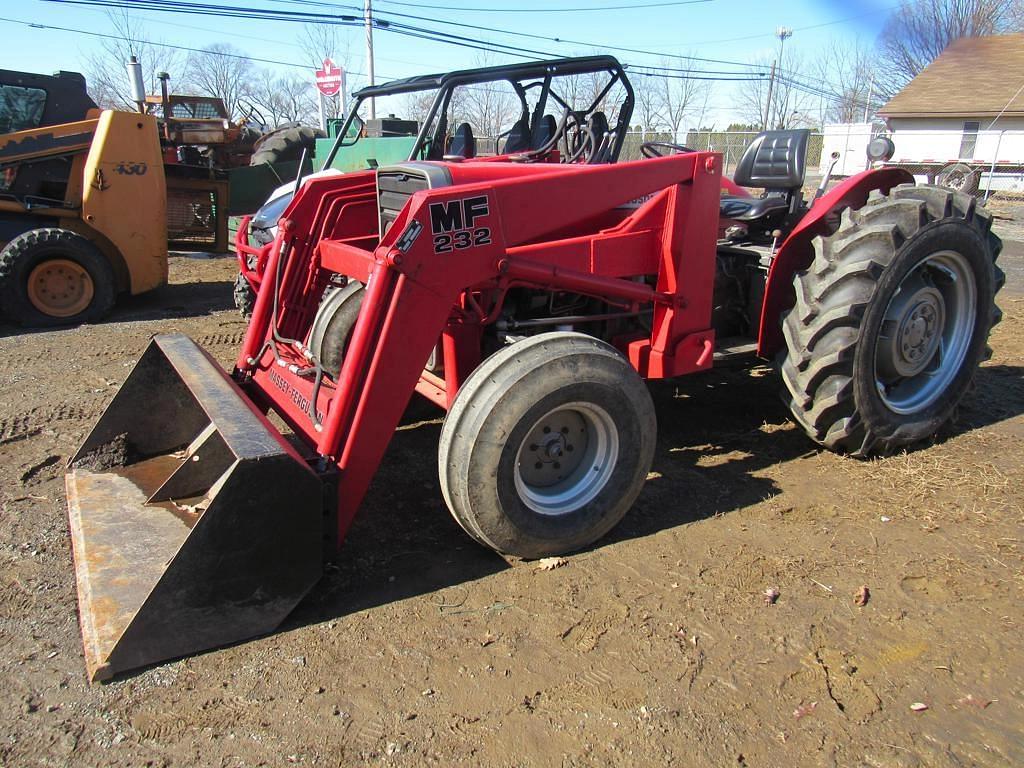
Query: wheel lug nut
x,y
538,465
568,448
547,430
534,446
565,430
558,465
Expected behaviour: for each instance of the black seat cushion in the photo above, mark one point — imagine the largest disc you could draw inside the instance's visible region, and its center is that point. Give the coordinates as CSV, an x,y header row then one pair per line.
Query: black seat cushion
x,y
463,141
774,160
518,138
751,208
545,131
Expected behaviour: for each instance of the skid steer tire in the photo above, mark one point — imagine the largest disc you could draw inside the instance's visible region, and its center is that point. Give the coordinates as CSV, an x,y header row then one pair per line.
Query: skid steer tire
x,y
285,145
244,296
891,320
51,277
547,445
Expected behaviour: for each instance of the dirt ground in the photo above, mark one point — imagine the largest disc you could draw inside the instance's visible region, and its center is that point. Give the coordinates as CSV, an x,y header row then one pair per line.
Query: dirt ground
x,y
655,647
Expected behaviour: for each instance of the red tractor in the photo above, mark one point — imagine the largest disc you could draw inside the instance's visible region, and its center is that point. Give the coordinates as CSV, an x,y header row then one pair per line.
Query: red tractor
x,y
530,298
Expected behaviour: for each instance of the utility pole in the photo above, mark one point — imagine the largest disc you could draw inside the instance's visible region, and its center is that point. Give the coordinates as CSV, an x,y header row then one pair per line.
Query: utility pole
x,y
369,53
871,92
783,33
768,104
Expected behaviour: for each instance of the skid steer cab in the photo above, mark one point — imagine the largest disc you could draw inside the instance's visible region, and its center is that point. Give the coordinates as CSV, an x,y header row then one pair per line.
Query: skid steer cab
x,y
530,300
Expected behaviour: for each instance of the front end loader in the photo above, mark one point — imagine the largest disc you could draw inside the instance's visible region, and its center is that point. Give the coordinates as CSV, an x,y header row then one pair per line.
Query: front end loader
x,y
530,299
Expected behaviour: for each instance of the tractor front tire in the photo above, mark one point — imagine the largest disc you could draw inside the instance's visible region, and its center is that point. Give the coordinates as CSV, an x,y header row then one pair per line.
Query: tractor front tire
x,y
891,320
547,445
51,277
333,324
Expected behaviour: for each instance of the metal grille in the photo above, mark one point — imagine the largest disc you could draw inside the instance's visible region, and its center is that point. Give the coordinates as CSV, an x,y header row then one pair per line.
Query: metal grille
x,y
197,214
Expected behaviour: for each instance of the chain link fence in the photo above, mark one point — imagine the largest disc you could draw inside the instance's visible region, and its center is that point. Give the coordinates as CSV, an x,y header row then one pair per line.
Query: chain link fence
x,y
731,144
980,163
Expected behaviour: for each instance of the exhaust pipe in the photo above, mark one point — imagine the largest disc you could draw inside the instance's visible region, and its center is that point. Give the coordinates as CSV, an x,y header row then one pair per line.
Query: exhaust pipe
x,y
135,84
194,524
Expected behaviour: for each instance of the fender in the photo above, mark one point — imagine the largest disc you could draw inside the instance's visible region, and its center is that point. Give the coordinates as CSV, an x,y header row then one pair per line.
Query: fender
x,y
796,252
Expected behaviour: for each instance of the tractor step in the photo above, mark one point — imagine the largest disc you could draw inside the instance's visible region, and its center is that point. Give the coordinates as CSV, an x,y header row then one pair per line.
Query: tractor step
x,y
194,524
734,349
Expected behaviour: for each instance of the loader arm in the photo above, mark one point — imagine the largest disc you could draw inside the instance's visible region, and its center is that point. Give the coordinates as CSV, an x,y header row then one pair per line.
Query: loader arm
x,y
48,141
413,291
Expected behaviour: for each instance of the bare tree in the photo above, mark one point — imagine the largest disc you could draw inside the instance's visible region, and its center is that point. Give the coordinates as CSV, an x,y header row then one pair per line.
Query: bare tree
x,y
416,105
681,95
105,67
490,108
219,70
647,102
848,70
790,95
283,98
922,29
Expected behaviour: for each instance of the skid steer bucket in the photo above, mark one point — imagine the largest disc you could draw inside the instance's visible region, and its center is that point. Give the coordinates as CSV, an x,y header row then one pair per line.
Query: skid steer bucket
x,y
193,522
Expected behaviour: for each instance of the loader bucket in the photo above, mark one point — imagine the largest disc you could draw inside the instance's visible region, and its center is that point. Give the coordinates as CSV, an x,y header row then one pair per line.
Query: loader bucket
x,y
193,523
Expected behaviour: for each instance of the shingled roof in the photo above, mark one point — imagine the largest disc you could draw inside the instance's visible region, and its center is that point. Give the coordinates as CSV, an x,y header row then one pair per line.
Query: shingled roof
x,y
973,77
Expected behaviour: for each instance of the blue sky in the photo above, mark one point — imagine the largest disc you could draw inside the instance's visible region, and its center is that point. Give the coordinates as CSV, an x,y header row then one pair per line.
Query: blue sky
x,y
738,30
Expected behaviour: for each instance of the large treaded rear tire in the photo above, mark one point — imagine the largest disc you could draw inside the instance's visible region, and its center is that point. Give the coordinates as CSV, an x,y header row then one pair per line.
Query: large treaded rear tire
x,y
286,145
830,363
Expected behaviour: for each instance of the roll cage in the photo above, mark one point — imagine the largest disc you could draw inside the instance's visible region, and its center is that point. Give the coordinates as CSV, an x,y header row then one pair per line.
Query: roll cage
x,y
524,78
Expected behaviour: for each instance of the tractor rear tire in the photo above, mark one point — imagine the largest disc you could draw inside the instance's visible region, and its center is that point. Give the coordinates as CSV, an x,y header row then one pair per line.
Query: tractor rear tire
x,y
286,145
52,277
891,320
547,445
244,296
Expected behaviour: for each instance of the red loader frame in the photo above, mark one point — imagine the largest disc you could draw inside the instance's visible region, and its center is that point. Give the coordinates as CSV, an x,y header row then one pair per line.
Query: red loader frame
x,y
414,296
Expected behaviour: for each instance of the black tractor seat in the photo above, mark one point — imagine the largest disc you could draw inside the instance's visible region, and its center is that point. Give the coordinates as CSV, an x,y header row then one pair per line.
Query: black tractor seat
x,y
751,208
775,161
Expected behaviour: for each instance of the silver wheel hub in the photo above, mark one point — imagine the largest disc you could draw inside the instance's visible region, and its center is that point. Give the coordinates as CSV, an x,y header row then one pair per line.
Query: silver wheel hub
x,y
566,458
919,332
926,332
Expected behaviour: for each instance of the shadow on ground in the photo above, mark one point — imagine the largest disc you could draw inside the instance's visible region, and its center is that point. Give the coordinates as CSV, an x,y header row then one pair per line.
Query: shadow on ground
x,y
717,433
175,300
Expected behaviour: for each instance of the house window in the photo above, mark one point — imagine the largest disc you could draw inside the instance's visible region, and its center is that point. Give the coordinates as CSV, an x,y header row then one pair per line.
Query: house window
x,y
969,142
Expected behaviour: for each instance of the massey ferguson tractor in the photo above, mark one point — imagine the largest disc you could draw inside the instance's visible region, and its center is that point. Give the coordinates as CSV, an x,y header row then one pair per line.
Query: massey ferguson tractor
x,y
530,294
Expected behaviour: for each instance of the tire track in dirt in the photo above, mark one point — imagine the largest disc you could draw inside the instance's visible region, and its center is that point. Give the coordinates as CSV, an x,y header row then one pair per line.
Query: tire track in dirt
x,y
221,339
35,420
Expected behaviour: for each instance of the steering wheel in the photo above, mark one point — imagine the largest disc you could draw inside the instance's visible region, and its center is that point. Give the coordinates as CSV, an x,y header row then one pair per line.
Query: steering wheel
x,y
653,148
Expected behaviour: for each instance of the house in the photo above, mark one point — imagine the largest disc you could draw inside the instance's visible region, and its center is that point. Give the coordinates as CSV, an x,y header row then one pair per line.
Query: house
x,y
967,108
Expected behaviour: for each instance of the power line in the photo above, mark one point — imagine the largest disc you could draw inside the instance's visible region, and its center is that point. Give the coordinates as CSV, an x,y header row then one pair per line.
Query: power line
x,y
548,10
180,6
582,9
809,27
278,62
690,75
548,38
424,33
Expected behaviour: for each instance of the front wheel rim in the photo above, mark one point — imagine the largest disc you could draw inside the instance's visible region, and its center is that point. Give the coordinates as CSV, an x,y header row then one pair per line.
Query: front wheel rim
x,y
60,288
566,459
926,332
